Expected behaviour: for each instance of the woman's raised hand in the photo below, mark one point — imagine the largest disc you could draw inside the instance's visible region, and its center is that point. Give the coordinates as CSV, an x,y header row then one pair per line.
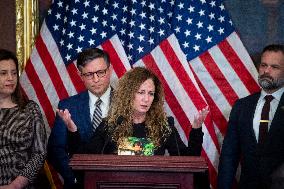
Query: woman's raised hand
x,y
200,117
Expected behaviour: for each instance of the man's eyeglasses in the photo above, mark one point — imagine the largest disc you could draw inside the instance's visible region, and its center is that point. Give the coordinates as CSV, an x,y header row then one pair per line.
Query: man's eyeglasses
x,y
91,75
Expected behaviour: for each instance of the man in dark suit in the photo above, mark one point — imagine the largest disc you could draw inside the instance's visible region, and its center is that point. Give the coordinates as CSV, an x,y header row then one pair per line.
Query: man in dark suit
x,y
95,71
257,142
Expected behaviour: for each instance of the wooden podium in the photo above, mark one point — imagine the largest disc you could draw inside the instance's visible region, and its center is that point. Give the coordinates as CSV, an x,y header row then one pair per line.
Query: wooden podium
x,y
130,172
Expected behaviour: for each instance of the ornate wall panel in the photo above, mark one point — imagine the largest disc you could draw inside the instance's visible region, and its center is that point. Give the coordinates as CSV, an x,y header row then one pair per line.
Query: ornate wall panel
x,y
27,27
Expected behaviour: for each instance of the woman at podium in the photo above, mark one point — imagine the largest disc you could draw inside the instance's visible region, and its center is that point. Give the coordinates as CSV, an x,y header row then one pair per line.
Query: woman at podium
x,y
137,123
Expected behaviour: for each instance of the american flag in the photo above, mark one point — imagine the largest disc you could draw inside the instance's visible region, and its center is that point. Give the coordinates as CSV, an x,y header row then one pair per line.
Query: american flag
x,y
190,44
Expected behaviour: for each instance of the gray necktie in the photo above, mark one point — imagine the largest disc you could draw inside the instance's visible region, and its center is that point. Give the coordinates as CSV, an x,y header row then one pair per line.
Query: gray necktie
x,y
97,116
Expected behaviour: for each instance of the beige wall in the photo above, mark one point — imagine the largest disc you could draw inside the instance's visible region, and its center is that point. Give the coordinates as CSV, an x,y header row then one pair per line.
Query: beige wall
x,y
7,25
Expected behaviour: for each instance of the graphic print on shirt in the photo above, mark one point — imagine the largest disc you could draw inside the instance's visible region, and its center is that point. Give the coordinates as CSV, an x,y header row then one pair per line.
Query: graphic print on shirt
x,y
136,146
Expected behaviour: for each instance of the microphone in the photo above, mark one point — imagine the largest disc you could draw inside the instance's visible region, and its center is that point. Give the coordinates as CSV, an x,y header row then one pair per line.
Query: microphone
x,y
172,122
119,121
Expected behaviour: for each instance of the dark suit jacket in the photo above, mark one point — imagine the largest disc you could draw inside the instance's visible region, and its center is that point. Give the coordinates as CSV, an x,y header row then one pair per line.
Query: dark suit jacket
x,y
58,156
257,164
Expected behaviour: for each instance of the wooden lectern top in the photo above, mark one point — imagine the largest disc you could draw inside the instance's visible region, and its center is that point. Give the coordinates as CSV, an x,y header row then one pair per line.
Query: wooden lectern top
x,y
142,163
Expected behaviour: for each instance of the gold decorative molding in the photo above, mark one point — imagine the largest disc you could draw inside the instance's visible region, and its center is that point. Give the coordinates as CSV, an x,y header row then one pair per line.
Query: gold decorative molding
x,y
27,27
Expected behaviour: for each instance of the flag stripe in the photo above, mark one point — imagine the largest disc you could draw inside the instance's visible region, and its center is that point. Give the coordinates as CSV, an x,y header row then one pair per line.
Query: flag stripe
x,y
238,66
182,58
211,136
115,60
229,73
189,87
243,55
40,92
218,117
117,46
75,78
51,69
182,75
210,86
56,59
218,77
170,97
28,91
212,171
43,76
174,84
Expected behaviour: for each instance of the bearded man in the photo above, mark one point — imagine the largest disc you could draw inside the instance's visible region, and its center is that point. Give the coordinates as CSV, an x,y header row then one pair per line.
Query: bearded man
x,y
255,135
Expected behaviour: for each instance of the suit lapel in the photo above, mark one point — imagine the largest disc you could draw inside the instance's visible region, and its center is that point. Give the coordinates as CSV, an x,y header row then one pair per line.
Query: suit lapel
x,y
250,113
84,109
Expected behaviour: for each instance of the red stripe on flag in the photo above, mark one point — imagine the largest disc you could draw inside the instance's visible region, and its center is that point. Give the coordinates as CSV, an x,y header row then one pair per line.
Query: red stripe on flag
x,y
187,84
238,67
170,97
217,115
183,77
75,78
218,77
51,68
212,172
117,65
211,130
40,92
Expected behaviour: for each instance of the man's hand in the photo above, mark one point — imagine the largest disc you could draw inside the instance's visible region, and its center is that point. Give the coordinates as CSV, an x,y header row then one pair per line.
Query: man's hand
x,y
66,117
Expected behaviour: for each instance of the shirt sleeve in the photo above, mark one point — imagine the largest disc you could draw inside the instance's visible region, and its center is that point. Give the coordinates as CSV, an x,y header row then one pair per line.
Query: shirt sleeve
x,y
96,145
175,145
58,154
39,143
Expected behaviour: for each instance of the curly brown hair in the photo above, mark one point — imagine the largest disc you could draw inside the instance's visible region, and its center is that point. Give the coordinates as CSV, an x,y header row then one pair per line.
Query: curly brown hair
x,y
122,106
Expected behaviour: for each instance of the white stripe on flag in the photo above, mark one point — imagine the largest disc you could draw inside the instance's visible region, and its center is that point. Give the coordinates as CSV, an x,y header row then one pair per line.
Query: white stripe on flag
x,y
57,60
120,51
30,92
228,72
182,58
210,148
211,87
218,133
242,53
174,83
44,77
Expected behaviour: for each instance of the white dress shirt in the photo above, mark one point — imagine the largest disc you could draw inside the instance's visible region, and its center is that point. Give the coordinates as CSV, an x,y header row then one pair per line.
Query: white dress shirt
x,y
273,106
104,105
